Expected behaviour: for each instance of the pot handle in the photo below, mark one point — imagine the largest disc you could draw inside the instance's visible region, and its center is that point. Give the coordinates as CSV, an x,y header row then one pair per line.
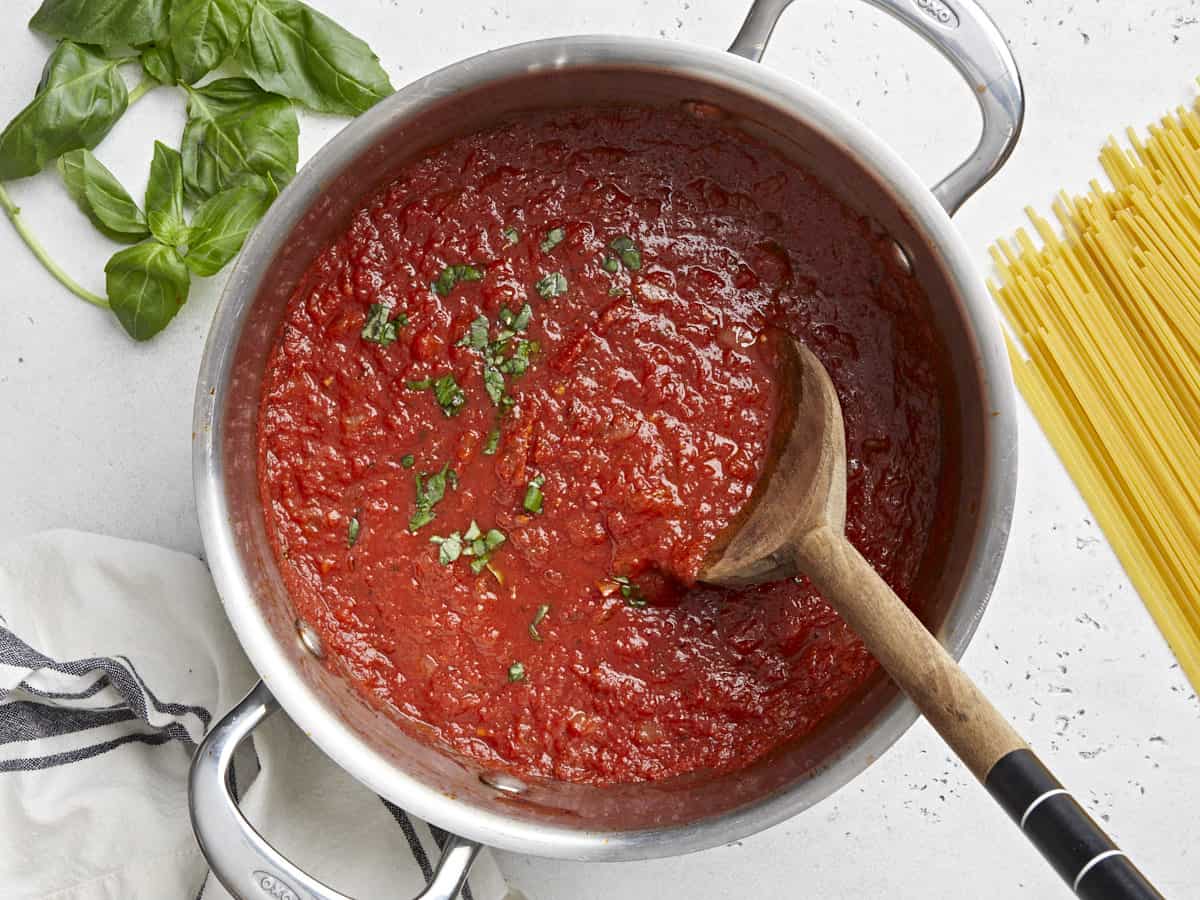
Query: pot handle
x,y
964,34
243,862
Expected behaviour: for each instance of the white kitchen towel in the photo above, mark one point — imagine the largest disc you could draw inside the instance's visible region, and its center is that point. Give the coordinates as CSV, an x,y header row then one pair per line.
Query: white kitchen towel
x,y
115,658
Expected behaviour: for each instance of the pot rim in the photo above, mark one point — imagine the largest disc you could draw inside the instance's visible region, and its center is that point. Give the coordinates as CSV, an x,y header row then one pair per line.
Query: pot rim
x,y
267,655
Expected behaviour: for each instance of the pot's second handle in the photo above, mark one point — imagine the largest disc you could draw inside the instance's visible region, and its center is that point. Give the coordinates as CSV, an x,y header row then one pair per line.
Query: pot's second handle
x,y
966,36
246,864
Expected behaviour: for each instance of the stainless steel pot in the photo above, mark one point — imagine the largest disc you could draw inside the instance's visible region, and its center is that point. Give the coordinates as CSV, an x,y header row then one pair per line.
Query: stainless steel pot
x,y
551,818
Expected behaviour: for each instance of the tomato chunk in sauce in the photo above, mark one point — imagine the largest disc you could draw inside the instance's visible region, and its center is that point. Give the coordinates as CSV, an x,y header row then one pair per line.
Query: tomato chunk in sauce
x,y
530,378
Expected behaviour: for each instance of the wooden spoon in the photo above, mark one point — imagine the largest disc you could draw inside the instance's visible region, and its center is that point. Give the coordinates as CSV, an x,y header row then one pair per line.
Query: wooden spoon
x,y
794,523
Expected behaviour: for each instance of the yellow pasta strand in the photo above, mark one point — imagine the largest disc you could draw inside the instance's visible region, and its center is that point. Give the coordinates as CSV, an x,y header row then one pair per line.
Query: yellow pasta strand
x,y
1105,323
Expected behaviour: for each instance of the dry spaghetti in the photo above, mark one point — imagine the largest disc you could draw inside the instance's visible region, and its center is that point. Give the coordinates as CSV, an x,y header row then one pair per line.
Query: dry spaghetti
x,y
1106,317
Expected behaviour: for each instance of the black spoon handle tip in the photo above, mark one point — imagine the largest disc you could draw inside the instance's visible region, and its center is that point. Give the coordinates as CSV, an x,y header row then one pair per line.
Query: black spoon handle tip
x,y
1072,842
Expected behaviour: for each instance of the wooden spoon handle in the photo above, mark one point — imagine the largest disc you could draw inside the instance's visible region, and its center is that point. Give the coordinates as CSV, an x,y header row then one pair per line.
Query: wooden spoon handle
x,y
919,665
1058,826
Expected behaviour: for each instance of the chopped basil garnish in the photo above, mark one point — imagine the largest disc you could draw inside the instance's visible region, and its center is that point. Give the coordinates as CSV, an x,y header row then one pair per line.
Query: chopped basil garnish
x,y
493,442
521,322
626,249
511,235
448,394
553,285
537,620
554,237
472,543
493,381
378,328
452,275
495,364
446,391
449,548
516,672
610,265
630,591
533,495
477,334
352,532
430,491
407,460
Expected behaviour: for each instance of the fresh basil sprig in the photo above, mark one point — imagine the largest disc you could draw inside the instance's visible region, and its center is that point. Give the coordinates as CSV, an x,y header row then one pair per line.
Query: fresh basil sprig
x,y
204,33
221,225
147,285
79,99
239,147
164,196
295,51
101,197
105,23
234,130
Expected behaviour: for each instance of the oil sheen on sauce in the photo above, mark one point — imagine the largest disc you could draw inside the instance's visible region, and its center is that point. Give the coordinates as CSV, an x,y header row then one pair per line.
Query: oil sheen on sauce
x,y
629,260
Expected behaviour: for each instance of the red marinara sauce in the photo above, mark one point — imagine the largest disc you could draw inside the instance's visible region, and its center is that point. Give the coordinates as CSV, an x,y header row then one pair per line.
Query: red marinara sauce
x,y
577,300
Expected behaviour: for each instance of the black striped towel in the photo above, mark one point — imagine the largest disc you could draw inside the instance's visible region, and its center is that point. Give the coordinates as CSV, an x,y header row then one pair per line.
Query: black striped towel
x,y
115,658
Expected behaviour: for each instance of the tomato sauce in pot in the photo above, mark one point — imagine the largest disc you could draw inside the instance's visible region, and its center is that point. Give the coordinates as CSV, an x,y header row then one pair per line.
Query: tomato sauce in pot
x,y
511,406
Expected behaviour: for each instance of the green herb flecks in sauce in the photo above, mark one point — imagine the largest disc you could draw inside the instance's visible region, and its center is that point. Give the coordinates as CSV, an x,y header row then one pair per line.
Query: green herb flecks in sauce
x,y
352,531
379,328
552,285
453,275
533,495
431,488
541,613
553,238
516,672
446,392
474,543
627,251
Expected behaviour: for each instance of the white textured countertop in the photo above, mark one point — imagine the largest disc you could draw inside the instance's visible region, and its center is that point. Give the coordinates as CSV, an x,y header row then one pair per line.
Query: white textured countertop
x,y
95,433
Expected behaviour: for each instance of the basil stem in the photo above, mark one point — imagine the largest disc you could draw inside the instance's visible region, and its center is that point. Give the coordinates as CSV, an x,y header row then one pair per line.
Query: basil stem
x,y
14,215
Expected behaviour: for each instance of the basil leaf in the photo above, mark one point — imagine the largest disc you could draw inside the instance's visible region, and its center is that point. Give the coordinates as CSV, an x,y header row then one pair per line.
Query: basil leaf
x,y
533,496
626,249
450,547
493,442
477,334
205,32
452,275
352,532
164,196
236,130
293,50
159,64
553,285
554,237
147,285
521,322
511,235
101,197
379,330
493,382
79,99
107,23
408,460
221,224
430,491
537,620
449,395
516,672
